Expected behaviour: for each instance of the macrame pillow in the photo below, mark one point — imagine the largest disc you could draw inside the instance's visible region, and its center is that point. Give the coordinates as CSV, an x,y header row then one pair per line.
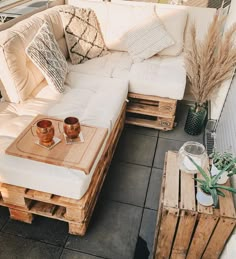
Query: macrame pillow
x,y
83,35
147,39
45,53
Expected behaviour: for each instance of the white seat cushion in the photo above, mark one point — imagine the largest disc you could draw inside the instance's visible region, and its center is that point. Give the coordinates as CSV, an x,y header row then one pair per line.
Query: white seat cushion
x,y
160,76
92,99
114,65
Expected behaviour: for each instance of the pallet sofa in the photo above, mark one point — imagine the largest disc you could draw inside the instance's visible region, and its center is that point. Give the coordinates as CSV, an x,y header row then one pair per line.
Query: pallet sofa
x,y
96,92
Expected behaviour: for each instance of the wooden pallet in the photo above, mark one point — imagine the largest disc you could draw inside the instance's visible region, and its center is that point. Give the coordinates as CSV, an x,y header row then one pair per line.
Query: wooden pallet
x,y
153,111
186,229
23,203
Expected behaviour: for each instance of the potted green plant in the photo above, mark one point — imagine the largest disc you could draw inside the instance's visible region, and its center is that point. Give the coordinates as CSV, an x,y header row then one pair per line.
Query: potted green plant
x,y
209,188
208,64
219,162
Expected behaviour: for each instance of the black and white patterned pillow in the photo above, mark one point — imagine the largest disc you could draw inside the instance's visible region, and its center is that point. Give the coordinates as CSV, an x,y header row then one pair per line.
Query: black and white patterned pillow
x,y
45,53
83,35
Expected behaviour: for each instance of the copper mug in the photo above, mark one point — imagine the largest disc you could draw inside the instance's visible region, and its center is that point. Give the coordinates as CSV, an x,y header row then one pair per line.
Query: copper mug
x,y
71,127
45,132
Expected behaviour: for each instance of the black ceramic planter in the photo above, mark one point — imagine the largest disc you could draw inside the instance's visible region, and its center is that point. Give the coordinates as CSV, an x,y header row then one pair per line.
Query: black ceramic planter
x,y
195,120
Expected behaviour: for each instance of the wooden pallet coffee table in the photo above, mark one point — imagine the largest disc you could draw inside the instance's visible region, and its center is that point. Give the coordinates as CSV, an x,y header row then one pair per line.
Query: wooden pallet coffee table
x,y
186,229
24,203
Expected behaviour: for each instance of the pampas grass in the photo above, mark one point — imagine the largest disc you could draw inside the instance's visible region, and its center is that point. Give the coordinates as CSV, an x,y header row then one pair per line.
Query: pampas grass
x,y
210,62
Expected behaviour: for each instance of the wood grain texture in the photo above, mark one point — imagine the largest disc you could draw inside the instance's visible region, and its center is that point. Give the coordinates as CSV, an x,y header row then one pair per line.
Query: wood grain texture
x,y
183,236
165,239
219,238
202,234
172,182
79,156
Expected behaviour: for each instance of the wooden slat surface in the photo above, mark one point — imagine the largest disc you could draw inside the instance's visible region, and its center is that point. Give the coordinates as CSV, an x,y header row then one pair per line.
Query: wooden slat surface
x,y
165,239
183,236
219,238
202,234
79,156
187,192
172,181
226,203
160,123
151,98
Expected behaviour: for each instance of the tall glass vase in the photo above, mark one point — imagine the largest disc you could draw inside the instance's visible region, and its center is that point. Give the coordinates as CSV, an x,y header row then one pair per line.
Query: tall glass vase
x,y
195,120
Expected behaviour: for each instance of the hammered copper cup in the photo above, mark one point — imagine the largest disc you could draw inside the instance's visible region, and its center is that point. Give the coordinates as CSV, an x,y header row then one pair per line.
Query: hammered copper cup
x,y
45,132
71,127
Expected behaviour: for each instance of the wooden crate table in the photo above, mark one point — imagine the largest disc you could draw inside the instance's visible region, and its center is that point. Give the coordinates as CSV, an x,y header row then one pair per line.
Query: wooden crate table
x,y
186,229
23,203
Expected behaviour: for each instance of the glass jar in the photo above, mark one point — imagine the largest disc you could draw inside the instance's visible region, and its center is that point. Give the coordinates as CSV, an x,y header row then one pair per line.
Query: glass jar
x,y
194,150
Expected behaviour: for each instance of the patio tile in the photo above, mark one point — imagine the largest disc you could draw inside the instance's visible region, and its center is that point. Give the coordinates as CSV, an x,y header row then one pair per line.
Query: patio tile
x,y
69,254
127,183
154,188
112,233
163,146
178,132
136,148
43,229
14,247
142,130
4,216
147,230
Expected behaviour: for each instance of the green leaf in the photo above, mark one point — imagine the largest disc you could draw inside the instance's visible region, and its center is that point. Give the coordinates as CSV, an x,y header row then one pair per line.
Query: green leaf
x,y
220,193
200,181
214,181
201,171
227,188
214,196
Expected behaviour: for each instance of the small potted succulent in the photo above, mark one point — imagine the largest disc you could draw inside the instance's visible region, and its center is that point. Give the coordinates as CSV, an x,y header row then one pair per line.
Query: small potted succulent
x,y
209,188
219,162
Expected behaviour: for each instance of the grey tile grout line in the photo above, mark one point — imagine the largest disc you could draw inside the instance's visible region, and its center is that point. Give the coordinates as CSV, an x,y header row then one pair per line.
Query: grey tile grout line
x,y
82,252
143,209
34,240
4,224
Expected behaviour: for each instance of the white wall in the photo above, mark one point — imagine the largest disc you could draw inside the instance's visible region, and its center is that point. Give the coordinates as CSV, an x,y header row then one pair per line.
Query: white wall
x,y
219,99
226,141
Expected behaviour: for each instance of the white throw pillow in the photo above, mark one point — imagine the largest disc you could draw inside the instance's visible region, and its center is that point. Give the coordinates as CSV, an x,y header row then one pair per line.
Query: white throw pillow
x,y
147,39
45,53
175,21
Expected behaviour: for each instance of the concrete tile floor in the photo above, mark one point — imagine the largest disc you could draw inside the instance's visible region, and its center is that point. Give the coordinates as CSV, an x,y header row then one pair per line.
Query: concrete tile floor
x,y
124,220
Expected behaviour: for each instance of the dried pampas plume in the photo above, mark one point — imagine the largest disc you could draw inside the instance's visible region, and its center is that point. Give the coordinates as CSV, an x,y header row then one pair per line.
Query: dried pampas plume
x,y
212,61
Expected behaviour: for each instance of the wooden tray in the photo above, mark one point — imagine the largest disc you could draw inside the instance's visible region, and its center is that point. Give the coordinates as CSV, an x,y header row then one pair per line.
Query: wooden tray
x,y
80,156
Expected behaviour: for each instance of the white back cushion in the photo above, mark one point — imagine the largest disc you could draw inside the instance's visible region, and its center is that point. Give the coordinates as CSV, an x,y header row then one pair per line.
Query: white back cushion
x,y
174,20
18,74
116,19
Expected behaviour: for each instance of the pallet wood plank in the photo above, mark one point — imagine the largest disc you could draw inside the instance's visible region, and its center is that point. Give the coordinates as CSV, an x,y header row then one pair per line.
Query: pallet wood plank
x,y
160,207
226,203
202,234
172,181
165,239
43,207
159,123
187,192
151,98
219,238
38,195
183,236
24,216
